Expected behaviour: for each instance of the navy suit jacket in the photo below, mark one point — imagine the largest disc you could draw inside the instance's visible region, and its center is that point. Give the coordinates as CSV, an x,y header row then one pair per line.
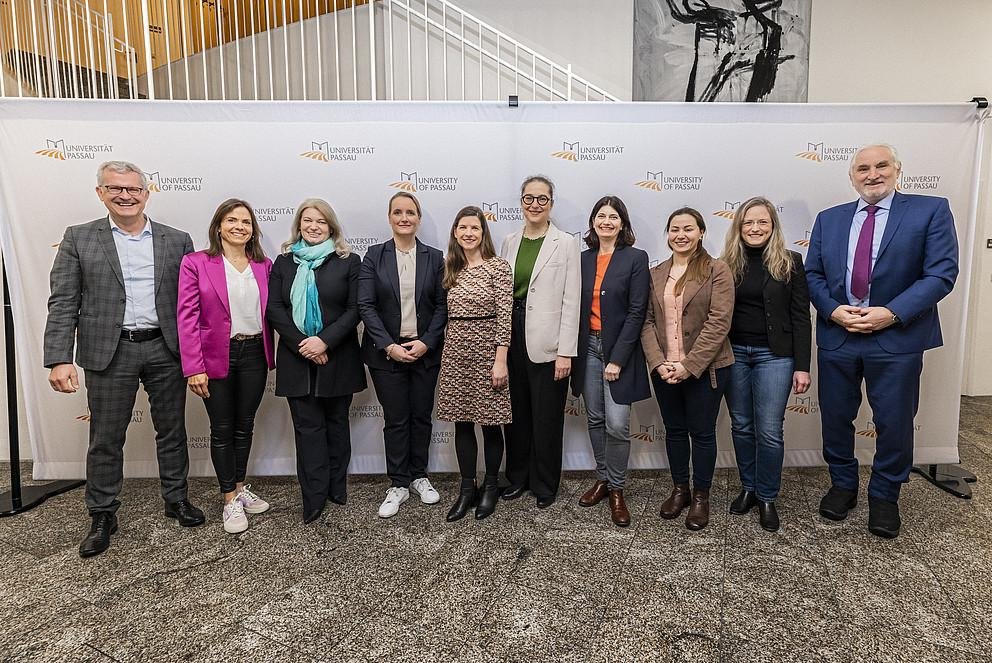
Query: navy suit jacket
x,y
916,267
623,305
379,303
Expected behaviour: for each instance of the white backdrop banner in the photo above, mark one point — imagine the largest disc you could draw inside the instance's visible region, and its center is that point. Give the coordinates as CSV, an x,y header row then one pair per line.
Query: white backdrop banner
x,y
655,156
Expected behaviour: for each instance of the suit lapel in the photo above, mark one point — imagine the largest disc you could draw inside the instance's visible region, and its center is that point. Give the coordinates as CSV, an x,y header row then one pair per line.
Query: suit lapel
x,y
659,278
690,288
548,248
217,275
106,236
161,252
842,235
896,214
422,254
392,274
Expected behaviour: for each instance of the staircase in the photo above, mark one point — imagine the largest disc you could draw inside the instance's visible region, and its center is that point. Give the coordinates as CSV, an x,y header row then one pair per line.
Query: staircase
x,y
271,49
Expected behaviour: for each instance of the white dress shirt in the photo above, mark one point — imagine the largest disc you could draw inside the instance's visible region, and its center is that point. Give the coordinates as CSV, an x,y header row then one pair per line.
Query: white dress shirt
x,y
242,296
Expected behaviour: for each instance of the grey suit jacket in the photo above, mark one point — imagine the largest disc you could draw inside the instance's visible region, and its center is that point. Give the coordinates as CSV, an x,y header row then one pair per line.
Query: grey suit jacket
x,y
86,307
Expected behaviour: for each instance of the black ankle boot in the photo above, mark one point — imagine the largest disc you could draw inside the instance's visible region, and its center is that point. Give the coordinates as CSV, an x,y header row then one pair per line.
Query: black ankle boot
x,y
467,497
488,499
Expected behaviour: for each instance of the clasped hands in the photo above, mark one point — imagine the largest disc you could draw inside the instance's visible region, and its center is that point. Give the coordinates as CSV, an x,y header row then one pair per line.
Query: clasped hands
x,y
862,319
408,352
314,349
673,372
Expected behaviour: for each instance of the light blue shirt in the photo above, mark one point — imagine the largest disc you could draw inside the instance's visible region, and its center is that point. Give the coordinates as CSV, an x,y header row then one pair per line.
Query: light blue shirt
x,y
881,218
138,266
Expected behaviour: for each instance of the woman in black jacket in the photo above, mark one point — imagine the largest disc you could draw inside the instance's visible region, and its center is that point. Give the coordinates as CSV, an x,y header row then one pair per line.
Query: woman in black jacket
x,y
609,371
313,304
770,335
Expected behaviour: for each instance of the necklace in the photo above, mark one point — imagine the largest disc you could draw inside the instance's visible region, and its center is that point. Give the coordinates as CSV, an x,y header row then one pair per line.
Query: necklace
x,y
546,229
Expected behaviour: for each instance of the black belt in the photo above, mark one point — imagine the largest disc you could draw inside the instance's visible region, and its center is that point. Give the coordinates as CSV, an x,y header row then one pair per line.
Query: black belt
x,y
140,335
472,317
242,338
520,304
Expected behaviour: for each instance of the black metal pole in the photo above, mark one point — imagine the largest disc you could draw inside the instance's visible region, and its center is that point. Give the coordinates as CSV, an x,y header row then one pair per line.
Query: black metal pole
x,y
19,499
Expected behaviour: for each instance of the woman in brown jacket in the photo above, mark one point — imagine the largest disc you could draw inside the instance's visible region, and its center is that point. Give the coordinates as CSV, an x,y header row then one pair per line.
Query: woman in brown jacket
x,y
685,343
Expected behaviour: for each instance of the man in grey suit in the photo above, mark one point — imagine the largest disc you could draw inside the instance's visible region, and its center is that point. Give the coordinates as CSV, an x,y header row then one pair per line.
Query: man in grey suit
x,y
114,288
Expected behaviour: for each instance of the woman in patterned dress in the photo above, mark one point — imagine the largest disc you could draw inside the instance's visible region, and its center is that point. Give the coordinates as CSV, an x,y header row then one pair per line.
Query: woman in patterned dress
x,y
472,387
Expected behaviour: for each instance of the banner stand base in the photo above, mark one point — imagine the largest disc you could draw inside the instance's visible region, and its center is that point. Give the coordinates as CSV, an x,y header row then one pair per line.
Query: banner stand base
x,y
953,479
28,497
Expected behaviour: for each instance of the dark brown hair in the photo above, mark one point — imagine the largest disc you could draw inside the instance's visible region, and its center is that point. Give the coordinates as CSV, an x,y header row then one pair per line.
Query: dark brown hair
x,y
455,262
253,249
626,235
699,261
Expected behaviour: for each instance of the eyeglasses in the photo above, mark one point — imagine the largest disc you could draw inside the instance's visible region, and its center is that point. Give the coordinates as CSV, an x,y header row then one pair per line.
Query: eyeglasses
x,y
541,200
115,190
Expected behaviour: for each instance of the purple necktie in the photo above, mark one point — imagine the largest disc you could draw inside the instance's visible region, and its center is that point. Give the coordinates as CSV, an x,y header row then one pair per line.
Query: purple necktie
x,y
861,274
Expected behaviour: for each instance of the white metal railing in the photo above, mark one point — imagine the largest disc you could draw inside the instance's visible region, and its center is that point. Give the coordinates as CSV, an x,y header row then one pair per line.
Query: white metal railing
x,y
271,49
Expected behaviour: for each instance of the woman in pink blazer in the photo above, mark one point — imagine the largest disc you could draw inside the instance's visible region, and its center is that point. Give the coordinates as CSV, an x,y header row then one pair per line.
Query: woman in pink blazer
x,y
226,347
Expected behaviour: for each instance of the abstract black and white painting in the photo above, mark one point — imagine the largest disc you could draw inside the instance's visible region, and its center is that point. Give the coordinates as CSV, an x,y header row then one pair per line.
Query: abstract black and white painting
x,y
721,50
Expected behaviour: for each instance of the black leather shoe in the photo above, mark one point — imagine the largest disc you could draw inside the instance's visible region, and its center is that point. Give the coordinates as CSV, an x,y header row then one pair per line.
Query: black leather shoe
x,y
104,524
488,498
467,497
746,501
837,502
187,514
883,518
768,516
338,499
513,492
545,501
313,516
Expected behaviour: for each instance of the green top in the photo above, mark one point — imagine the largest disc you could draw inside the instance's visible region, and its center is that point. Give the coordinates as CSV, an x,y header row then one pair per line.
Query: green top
x,y
524,266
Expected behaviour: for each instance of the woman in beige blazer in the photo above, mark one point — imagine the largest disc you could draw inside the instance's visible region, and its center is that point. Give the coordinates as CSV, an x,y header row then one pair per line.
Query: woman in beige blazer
x,y
545,330
685,343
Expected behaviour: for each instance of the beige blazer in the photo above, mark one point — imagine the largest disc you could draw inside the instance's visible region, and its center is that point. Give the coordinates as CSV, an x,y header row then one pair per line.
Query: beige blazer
x,y
707,309
552,326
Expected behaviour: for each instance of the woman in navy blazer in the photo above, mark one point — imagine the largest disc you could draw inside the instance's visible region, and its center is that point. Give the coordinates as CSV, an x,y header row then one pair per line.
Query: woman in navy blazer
x,y
225,345
404,314
610,372
318,368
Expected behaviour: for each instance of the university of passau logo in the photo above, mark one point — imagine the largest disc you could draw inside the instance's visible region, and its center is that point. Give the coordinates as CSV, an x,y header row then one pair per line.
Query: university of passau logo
x,y
325,152
272,214
804,242
657,181
413,183
650,433
182,183
925,183
820,153
495,213
803,405
576,151
60,150
730,208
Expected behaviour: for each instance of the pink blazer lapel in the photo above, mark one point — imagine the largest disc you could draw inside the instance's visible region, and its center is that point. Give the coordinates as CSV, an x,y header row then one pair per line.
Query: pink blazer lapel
x,y
261,271
218,279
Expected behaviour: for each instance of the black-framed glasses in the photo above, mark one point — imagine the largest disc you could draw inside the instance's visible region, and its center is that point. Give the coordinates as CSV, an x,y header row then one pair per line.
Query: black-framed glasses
x,y
528,199
115,190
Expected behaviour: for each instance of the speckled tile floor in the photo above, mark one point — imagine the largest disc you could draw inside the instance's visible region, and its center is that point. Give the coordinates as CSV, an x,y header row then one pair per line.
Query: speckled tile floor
x,y
562,584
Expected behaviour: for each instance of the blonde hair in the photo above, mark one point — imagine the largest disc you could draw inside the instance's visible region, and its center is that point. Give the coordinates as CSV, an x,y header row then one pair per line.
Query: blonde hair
x,y
341,246
775,256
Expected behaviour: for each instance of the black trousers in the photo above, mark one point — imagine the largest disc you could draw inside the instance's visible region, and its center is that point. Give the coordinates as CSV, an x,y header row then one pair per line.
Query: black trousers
x,y
534,439
323,447
407,398
231,408
110,395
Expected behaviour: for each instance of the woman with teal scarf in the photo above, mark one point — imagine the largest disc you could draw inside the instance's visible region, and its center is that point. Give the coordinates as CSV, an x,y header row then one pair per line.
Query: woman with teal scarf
x,y
313,305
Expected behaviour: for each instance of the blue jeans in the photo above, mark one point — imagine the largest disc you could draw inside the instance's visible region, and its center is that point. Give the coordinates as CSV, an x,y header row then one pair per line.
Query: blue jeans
x,y
760,383
608,421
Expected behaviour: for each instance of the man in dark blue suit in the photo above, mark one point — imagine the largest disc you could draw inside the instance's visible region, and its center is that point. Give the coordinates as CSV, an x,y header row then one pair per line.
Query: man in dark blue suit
x,y
876,269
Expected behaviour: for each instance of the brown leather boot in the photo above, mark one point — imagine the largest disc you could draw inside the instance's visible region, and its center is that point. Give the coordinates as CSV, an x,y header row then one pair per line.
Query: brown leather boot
x,y
594,495
699,511
678,500
618,509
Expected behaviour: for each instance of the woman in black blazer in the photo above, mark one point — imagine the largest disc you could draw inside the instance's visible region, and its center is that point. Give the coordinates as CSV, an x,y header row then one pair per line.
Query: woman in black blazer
x,y
313,304
770,335
609,371
403,305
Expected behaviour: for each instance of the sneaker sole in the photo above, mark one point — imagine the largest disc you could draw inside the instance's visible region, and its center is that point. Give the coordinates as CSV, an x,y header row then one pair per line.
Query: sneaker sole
x,y
255,510
236,531
390,515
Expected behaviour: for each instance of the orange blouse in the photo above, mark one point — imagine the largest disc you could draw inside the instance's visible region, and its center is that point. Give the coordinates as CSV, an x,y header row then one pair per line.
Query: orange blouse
x,y
595,318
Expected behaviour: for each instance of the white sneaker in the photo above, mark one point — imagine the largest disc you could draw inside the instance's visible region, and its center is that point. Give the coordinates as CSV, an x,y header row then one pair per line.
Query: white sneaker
x,y
235,520
423,487
394,497
252,503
